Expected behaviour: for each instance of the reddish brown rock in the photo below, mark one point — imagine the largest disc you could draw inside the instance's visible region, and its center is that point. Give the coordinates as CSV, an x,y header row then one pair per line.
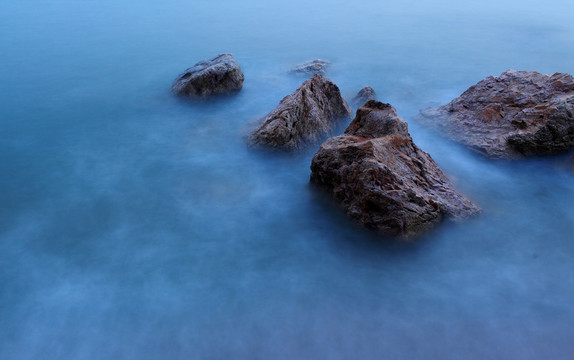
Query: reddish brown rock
x,y
382,179
517,114
302,117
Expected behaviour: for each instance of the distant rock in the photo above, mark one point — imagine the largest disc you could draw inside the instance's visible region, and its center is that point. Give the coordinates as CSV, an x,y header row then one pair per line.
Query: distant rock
x,y
302,117
218,76
312,67
517,114
382,179
365,94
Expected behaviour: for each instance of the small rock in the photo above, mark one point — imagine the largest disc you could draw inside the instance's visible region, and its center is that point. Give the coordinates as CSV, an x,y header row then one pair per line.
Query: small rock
x,y
365,94
382,179
218,76
517,114
311,67
302,117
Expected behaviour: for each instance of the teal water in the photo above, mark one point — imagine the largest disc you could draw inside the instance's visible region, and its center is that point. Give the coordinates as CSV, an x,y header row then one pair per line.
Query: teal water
x,y
136,225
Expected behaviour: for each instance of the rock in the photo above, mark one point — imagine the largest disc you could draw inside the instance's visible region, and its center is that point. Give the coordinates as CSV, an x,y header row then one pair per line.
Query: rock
x,y
218,76
365,94
302,117
311,67
517,114
382,179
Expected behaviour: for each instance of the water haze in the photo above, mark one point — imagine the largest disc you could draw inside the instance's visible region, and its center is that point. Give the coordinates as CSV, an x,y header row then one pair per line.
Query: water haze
x,y
138,225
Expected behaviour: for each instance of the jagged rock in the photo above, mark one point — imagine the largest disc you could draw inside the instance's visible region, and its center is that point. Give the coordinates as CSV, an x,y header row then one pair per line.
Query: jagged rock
x,y
302,117
517,114
220,75
382,179
311,67
365,94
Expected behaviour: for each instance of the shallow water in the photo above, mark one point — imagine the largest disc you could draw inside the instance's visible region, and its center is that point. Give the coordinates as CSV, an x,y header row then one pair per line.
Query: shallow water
x,y
136,225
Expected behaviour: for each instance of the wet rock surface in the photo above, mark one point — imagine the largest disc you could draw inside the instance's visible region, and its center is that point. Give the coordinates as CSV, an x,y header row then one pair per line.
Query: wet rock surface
x,y
311,67
304,116
382,179
517,114
218,76
365,94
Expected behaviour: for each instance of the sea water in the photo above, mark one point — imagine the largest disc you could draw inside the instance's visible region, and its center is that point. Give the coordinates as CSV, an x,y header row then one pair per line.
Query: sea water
x,y
138,225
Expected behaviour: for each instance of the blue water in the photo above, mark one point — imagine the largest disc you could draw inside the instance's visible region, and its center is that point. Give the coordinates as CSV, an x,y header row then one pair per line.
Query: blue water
x,y
136,225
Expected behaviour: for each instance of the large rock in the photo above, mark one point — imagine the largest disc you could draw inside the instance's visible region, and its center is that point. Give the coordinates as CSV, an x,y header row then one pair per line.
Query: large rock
x,y
311,67
365,94
519,113
220,75
382,179
302,117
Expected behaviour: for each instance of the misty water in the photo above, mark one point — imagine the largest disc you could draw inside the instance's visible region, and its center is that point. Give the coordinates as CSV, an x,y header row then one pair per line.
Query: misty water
x,y
138,225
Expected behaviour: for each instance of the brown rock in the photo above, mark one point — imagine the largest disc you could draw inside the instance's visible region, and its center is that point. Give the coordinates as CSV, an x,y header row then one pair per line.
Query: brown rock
x,y
382,179
302,117
218,76
519,113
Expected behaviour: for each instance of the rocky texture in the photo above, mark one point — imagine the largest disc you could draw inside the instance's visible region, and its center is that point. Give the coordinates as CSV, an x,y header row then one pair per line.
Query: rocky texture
x,y
365,94
309,113
519,113
382,179
312,67
220,75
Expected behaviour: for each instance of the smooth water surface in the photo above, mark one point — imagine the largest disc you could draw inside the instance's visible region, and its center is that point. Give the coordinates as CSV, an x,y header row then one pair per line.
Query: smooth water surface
x,y
137,225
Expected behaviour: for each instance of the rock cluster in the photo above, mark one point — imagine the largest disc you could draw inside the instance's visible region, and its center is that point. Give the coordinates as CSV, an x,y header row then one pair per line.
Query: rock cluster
x,y
375,171
302,117
517,114
382,179
218,76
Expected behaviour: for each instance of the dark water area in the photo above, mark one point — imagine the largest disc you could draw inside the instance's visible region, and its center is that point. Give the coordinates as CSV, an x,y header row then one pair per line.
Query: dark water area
x,y
137,225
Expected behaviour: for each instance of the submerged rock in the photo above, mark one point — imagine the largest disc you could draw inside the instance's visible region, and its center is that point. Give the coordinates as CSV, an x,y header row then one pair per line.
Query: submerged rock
x,y
309,113
311,67
382,179
365,94
517,114
220,75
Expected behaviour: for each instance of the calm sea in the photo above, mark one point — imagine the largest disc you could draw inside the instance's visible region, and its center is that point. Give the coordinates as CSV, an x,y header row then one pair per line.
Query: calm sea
x,y
136,225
